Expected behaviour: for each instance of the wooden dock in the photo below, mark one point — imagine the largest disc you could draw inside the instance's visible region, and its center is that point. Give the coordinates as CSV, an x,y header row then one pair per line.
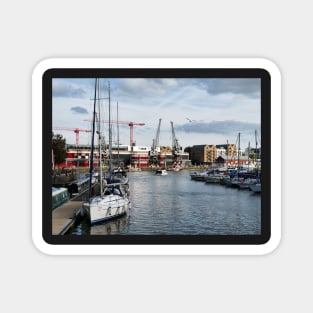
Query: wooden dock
x,y
64,216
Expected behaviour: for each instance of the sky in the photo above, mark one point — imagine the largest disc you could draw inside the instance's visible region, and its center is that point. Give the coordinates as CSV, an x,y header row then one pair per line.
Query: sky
x,y
203,111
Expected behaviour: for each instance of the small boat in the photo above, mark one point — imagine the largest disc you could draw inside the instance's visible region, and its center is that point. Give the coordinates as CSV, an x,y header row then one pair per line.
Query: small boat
x,y
59,196
200,176
233,182
216,178
161,172
247,183
256,188
173,169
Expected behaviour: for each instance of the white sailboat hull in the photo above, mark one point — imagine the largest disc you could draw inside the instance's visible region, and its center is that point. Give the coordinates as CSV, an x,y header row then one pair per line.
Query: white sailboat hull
x,y
105,208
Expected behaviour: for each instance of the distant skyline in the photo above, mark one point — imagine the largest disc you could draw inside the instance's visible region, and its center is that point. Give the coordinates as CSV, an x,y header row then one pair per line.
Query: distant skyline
x,y
204,111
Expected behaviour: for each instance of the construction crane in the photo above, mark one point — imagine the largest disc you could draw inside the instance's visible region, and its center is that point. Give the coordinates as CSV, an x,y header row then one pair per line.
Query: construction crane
x,y
130,124
75,130
176,149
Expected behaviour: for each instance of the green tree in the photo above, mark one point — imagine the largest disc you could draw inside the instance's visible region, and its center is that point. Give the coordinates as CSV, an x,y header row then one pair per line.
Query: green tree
x,y
59,148
252,156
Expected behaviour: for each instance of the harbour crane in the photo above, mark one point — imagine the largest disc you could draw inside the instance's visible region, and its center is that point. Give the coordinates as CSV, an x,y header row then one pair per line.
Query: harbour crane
x,y
176,149
155,141
75,130
155,148
130,124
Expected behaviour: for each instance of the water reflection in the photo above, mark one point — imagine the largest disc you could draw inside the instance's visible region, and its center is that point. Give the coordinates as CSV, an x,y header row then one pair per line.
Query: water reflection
x,y
175,204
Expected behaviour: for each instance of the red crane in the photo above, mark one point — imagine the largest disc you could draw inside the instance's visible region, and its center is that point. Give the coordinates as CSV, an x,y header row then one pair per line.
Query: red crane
x,y
130,124
75,130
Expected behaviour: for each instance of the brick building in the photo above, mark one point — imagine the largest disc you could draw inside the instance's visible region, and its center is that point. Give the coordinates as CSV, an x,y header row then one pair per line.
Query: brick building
x,y
207,154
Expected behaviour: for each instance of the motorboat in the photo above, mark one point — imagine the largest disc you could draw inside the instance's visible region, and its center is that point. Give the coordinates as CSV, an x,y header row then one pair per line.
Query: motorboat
x,y
161,172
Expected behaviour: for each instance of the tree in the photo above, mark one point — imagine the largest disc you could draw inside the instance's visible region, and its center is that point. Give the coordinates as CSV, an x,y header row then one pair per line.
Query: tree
x,y
188,149
252,156
59,148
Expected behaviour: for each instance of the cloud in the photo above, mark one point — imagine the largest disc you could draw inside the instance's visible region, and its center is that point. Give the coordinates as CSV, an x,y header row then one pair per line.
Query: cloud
x,y
65,90
144,87
250,87
217,127
79,110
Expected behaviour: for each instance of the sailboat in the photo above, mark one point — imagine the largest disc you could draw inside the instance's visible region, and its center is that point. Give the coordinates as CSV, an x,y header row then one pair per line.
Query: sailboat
x,y
235,181
119,173
112,202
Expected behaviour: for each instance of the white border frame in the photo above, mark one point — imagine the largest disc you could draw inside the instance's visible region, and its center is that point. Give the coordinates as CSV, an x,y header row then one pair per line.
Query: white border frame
x,y
156,249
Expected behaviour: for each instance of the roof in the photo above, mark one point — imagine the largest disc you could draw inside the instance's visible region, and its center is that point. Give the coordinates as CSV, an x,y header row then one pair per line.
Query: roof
x,y
224,146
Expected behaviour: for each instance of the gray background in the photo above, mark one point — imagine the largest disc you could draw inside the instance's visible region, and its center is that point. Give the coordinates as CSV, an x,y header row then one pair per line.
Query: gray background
x,y
35,30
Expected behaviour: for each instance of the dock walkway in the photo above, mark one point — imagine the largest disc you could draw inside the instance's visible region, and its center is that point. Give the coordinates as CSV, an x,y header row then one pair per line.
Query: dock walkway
x,y
64,216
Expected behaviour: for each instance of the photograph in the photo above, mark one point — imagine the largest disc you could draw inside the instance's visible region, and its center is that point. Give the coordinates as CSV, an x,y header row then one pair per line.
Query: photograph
x,y
156,156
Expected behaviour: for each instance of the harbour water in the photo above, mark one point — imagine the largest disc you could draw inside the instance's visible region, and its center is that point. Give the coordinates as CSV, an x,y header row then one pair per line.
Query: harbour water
x,y
176,205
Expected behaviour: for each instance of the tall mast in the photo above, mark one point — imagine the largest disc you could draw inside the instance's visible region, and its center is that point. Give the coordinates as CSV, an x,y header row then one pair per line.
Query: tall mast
x,y
110,135
248,156
118,137
100,139
238,152
92,138
227,155
256,143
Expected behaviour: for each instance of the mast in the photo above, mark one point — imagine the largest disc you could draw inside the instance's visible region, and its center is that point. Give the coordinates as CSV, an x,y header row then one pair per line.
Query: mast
x,y
110,135
92,138
257,154
238,154
248,156
227,155
118,138
100,139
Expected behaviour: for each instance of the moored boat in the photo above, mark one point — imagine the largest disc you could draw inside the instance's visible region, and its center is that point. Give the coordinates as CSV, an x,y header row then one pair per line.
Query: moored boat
x,y
112,201
199,176
233,182
247,183
216,178
161,172
59,196
256,188
107,206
